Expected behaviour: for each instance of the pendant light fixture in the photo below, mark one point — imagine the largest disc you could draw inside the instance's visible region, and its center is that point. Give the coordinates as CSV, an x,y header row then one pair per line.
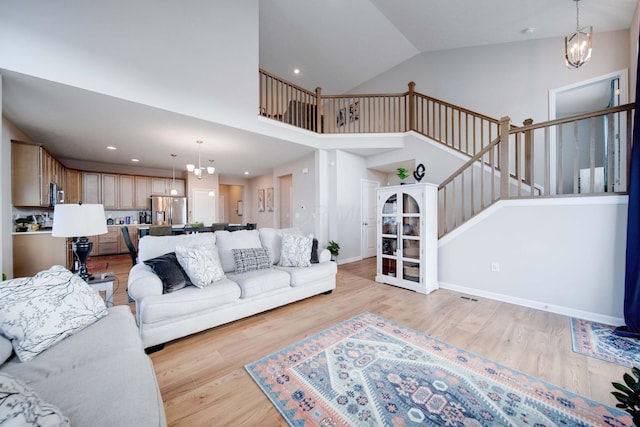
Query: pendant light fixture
x,y
173,191
577,46
198,171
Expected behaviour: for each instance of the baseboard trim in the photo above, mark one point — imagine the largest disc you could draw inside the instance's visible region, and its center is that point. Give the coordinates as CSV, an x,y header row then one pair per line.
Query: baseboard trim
x,y
567,311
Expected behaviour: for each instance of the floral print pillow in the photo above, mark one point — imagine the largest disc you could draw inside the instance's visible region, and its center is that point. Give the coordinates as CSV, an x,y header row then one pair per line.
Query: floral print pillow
x,y
296,251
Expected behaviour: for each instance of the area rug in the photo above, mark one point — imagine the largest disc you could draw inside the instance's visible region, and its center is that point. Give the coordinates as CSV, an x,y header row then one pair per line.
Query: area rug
x,y
369,371
598,340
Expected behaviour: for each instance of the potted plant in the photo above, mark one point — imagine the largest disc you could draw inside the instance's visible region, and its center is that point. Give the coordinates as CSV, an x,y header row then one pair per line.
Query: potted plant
x,y
334,248
402,173
629,395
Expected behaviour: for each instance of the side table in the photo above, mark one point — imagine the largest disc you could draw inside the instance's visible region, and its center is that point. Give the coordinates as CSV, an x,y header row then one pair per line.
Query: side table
x,y
105,285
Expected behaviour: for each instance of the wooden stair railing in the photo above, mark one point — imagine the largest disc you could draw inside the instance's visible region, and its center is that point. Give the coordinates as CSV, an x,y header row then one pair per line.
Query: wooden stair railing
x,y
557,158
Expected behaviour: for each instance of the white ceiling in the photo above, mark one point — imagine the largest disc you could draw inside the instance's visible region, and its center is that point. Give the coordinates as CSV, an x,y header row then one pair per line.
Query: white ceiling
x,y
337,45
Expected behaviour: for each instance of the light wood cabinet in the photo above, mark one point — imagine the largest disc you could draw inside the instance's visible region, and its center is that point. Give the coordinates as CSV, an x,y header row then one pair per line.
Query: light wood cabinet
x,y
91,187
108,242
110,191
126,190
25,174
33,169
160,186
407,237
34,252
142,192
73,186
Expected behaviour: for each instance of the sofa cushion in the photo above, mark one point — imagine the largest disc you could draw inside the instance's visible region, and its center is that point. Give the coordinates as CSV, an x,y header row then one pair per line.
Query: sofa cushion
x,y
250,259
201,263
21,406
44,309
188,302
169,271
154,246
295,251
5,349
257,282
226,241
271,239
301,276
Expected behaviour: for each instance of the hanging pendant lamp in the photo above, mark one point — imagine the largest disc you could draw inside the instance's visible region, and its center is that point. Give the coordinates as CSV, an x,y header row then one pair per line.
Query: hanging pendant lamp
x,y
577,46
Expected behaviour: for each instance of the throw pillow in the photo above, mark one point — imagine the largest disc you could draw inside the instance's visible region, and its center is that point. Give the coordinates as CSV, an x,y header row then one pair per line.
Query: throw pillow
x,y
169,271
250,259
21,406
201,263
37,312
296,251
5,349
314,252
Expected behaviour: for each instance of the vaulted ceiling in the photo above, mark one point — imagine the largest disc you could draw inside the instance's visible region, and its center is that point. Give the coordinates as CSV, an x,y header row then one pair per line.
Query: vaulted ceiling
x,y
336,45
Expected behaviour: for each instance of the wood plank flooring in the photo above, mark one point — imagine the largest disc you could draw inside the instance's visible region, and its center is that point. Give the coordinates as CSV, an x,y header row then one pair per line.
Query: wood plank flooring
x,y
203,381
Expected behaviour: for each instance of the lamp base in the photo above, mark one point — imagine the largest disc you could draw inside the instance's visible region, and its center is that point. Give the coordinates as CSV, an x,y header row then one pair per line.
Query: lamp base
x,y
82,248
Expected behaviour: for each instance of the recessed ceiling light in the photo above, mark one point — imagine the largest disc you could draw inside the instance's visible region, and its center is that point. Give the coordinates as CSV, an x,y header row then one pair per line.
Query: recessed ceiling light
x,y
135,160
296,71
246,172
111,147
528,30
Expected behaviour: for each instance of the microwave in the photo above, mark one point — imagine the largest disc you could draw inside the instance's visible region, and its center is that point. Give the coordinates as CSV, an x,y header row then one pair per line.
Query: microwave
x,y
56,194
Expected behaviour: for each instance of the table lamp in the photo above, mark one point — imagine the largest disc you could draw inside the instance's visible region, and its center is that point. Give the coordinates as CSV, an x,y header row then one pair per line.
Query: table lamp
x,y
79,221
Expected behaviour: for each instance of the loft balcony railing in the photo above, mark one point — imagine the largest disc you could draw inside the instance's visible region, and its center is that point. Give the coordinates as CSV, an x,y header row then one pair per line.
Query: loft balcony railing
x,y
586,154
457,128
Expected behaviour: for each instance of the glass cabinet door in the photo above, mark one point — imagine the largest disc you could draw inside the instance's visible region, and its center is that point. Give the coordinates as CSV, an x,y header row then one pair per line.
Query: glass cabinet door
x,y
410,218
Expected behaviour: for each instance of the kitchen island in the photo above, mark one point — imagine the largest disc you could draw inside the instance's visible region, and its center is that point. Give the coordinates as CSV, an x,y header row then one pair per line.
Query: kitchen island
x,y
34,251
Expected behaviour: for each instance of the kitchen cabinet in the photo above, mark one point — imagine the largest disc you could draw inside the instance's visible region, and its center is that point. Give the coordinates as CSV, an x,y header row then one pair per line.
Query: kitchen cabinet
x,y
110,198
108,242
34,252
142,192
91,187
162,186
159,187
33,169
126,192
72,186
407,239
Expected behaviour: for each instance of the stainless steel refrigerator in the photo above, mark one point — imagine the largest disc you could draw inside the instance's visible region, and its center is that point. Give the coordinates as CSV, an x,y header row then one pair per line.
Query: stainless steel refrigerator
x,y
168,210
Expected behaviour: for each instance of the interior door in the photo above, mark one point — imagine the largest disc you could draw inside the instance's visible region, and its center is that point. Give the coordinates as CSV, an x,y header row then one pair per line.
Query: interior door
x,y
203,207
369,218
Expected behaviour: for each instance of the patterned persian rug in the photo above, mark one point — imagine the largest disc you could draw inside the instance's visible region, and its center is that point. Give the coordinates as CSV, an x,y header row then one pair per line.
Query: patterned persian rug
x,y
598,340
369,371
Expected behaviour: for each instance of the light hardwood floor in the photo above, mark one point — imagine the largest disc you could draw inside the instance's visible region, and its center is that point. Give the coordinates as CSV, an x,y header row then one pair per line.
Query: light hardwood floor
x,y
203,381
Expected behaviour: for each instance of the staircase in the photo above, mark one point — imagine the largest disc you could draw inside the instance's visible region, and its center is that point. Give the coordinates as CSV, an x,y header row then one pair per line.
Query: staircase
x,y
582,155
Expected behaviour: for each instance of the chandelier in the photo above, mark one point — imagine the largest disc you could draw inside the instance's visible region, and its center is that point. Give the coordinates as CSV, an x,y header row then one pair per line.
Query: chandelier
x,y
198,172
577,46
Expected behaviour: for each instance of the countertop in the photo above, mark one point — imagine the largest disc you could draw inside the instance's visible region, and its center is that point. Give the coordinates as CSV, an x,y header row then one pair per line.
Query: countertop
x,y
20,233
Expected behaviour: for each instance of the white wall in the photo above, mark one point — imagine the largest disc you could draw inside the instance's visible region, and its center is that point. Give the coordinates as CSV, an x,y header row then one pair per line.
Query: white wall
x,y
511,79
128,60
565,255
305,204
266,218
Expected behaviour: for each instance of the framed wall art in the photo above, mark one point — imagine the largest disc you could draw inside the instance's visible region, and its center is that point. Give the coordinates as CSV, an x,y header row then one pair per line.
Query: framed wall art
x,y
270,199
261,200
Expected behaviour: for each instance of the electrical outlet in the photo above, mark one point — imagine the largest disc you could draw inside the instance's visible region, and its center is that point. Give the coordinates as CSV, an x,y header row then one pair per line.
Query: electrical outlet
x,y
495,266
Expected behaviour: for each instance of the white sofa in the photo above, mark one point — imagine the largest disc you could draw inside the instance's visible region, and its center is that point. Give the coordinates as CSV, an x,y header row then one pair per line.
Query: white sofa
x,y
163,317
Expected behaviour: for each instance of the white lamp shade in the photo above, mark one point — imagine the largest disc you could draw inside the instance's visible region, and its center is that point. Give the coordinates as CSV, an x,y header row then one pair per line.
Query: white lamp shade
x,y
190,167
78,220
211,170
